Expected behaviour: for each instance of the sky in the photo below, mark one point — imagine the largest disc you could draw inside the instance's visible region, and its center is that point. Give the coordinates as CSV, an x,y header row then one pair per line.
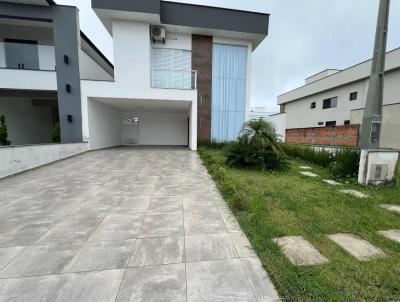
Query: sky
x,y
305,37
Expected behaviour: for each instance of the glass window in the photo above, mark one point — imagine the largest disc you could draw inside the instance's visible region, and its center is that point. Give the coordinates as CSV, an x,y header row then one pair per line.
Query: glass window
x,y
330,124
313,105
330,103
353,96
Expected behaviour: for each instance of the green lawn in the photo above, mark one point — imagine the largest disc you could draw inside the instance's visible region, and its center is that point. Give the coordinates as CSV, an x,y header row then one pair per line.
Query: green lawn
x,y
273,204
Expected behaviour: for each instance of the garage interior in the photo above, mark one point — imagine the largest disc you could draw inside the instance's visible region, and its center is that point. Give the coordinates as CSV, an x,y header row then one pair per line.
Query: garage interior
x,y
116,122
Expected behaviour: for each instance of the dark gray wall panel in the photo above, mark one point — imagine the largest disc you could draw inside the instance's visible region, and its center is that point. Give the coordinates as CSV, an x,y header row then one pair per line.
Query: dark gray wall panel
x,y
213,17
140,6
67,42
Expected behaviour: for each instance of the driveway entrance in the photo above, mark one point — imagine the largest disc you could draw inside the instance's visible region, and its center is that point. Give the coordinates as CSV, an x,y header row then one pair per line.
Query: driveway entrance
x,y
124,224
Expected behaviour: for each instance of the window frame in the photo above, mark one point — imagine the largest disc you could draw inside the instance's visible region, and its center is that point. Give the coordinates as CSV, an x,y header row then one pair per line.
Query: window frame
x,y
335,99
351,96
313,105
332,124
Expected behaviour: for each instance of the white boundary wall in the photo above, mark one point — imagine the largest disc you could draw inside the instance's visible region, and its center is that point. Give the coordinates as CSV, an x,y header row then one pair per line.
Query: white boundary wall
x,y
17,159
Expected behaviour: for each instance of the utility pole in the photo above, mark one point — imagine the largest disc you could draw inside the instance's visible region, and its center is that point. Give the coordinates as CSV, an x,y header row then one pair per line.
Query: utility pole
x,y
377,166
372,120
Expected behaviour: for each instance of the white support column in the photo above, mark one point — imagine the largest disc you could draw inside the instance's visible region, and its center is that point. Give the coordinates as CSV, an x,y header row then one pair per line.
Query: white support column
x,y
193,126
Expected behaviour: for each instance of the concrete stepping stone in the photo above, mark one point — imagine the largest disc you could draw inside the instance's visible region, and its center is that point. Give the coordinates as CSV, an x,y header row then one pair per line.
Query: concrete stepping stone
x,y
299,251
357,247
309,174
391,207
391,234
305,167
355,193
332,182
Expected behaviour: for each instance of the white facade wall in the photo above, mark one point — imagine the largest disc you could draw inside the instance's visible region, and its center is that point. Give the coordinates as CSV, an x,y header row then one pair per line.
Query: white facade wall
x,y
105,125
279,122
300,115
159,128
27,124
28,79
132,67
90,70
21,158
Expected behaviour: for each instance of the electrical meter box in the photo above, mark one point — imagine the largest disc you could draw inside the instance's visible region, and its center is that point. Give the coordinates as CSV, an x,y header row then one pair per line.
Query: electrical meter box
x,y
378,167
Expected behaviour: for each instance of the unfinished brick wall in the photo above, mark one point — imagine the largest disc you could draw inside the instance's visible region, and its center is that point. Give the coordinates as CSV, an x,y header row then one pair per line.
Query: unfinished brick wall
x,y
333,136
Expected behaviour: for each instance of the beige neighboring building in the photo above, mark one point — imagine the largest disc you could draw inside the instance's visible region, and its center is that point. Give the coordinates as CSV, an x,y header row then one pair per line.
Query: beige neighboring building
x,y
337,97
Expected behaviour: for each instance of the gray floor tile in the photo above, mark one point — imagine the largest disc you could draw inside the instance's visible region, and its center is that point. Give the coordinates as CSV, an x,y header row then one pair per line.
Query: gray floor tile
x,y
7,254
28,289
165,203
101,255
242,245
84,287
156,251
221,281
154,283
118,227
259,280
357,247
199,222
132,205
41,260
299,251
391,234
74,228
162,224
23,231
209,247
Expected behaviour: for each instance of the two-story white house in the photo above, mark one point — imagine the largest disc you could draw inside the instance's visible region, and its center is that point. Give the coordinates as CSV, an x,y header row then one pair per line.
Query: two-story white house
x,y
43,57
182,74
337,98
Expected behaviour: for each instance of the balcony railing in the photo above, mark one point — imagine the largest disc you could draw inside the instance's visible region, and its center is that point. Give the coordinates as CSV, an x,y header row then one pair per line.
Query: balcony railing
x,y
173,79
27,56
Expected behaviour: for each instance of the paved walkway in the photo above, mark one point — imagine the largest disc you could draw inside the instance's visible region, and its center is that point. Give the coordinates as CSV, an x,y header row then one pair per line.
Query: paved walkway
x,y
123,225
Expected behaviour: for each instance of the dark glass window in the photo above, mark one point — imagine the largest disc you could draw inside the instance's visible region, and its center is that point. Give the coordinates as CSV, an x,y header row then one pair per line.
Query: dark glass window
x,y
313,105
353,96
320,123
347,122
330,124
330,103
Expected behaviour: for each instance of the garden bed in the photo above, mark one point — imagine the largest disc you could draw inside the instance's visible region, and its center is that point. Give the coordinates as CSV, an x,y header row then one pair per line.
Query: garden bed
x,y
285,203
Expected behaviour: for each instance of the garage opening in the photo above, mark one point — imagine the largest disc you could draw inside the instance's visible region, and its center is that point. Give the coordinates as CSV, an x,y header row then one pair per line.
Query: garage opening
x,y
114,122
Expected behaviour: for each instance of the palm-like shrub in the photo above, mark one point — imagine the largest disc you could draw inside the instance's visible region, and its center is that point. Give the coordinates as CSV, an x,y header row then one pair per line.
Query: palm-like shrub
x,y
3,131
256,147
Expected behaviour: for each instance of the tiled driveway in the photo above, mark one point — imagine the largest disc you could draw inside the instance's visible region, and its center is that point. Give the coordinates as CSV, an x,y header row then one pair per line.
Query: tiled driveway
x,y
123,225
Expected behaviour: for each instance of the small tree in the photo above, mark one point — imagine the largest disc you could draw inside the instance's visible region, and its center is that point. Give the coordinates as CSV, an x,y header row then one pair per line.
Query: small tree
x,y
56,133
3,131
257,147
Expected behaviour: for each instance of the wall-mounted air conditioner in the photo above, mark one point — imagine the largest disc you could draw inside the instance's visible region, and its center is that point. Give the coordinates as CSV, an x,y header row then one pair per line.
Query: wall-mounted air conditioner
x,y
158,33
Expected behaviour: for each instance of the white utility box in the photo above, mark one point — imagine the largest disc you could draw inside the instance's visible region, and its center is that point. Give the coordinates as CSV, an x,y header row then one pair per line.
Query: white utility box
x,y
378,167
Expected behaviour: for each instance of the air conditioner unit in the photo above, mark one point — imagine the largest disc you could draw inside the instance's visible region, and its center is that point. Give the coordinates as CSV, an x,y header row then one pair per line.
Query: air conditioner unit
x,y
158,34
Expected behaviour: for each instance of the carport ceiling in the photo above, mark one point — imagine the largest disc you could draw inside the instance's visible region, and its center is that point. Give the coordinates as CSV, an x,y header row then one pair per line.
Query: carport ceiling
x,y
133,105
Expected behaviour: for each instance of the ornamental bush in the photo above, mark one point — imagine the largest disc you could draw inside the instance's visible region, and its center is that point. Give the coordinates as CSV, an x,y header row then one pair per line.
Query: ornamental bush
x,y
257,147
3,131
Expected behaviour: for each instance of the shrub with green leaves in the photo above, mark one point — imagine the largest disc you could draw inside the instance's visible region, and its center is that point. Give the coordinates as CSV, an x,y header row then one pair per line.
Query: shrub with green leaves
x,y
257,147
341,162
56,133
3,131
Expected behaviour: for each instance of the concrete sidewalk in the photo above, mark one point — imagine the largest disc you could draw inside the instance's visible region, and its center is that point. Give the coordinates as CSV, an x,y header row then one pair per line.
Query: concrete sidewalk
x,y
124,224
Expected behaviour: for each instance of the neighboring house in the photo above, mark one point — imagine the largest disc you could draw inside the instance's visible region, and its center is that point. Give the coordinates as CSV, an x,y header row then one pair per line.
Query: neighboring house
x,y
43,57
182,74
337,98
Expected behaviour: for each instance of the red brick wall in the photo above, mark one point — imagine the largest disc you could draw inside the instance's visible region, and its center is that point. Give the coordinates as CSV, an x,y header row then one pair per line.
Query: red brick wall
x,y
334,136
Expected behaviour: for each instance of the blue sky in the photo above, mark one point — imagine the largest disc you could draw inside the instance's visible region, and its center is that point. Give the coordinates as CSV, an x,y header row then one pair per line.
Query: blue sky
x,y
305,37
